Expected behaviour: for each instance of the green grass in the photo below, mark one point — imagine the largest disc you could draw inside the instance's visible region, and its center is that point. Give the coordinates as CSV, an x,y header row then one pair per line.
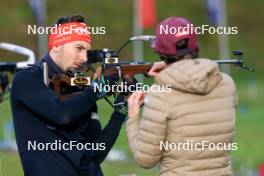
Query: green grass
x,y
249,136
5,115
126,168
10,164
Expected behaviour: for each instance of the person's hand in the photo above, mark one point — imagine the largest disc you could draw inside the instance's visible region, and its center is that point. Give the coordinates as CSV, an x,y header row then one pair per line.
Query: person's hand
x,y
134,101
99,84
156,68
99,89
120,104
130,82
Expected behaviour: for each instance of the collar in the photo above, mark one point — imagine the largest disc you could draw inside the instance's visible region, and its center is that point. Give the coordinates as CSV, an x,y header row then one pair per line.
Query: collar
x,y
52,66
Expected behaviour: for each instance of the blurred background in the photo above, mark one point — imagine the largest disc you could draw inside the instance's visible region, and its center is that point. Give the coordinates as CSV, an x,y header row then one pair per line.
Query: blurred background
x,y
119,17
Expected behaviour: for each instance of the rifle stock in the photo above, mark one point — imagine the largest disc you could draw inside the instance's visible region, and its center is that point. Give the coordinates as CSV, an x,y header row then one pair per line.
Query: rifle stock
x,y
127,70
122,71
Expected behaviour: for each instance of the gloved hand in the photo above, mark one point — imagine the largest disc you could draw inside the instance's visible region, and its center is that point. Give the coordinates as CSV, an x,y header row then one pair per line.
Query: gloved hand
x,y
120,104
130,82
99,85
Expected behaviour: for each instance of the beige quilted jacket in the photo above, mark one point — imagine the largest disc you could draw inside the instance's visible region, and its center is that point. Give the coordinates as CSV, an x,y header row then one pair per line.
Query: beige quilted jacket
x,y
188,131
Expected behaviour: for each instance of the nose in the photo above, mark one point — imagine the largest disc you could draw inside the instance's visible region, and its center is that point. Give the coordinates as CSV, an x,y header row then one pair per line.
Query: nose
x,y
83,56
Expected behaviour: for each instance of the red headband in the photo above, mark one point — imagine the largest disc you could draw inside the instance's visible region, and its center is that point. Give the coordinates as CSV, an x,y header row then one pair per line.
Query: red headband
x,y
69,32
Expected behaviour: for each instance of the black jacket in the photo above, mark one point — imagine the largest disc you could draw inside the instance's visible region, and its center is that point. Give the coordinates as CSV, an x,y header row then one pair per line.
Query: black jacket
x,y
40,117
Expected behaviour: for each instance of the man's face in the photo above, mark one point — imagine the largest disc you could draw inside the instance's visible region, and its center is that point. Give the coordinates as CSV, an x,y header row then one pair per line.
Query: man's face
x,y
72,54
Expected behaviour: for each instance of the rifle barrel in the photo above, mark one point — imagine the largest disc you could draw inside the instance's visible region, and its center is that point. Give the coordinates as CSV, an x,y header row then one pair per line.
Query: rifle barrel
x,y
229,61
7,66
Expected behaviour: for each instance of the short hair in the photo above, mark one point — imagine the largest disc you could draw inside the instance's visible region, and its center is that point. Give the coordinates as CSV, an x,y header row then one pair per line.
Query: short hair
x,y
72,18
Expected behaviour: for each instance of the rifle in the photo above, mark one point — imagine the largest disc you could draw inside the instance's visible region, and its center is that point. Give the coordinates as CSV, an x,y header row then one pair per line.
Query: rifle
x,y
78,77
112,67
109,57
13,66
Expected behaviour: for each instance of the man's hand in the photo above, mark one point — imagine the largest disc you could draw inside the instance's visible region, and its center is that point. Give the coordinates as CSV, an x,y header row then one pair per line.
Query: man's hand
x,y
101,81
130,82
120,104
156,68
99,89
134,102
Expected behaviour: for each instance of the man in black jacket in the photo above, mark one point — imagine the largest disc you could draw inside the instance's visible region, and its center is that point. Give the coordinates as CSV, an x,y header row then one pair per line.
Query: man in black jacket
x,y
54,136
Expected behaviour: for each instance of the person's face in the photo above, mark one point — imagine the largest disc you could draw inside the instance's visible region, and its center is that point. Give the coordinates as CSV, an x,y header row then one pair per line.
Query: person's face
x,y
72,54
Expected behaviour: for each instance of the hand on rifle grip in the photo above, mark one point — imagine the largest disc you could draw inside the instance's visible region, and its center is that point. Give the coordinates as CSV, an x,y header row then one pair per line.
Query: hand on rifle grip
x,y
120,104
130,82
100,81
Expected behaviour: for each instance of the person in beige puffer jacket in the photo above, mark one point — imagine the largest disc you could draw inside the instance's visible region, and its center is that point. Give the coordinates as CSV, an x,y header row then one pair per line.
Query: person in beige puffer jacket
x,y
189,130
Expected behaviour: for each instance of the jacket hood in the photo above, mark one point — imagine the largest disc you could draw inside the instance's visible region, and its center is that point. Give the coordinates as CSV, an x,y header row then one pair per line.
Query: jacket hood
x,y
191,75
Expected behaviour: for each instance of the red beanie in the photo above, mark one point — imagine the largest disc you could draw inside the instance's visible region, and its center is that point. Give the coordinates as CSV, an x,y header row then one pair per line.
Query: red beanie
x,y
69,32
